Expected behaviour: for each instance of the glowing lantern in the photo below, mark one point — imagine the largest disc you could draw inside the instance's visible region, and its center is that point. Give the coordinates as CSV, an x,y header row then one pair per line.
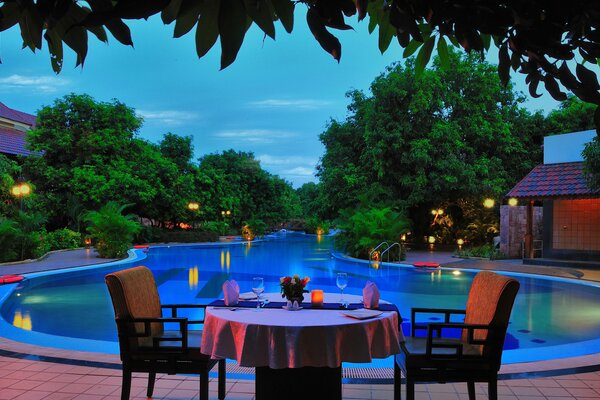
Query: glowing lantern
x,y
460,242
316,298
489,203
513,202
431,239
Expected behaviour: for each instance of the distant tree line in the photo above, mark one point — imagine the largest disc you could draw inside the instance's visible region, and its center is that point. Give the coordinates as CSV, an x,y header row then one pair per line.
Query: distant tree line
x,y
86,154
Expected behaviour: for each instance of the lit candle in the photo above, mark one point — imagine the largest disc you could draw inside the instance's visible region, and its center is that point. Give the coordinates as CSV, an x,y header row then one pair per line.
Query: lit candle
x,y
316,298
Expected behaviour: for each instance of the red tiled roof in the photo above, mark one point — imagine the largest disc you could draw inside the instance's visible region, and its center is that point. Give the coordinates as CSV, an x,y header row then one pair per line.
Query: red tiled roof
x,y
14,115
564,180
12,141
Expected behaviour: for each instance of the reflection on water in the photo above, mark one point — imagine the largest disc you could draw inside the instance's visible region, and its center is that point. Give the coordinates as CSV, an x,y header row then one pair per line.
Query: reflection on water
x,y
193,278
225,260
22,321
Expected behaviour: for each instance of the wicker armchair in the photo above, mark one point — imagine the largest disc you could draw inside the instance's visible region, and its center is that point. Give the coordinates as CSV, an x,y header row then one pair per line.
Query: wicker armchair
x,y
475,356
145,344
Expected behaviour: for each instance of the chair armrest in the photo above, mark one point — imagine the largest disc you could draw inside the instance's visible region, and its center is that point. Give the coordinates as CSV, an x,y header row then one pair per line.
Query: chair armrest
x,y
147,333
448,312
175,307
434,335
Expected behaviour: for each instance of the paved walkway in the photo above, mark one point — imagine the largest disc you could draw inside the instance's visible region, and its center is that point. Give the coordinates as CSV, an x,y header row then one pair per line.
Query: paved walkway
x,y
55,260
93,376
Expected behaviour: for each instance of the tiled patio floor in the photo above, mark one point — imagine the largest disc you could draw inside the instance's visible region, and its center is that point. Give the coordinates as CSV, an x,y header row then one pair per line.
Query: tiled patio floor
x,y
22,379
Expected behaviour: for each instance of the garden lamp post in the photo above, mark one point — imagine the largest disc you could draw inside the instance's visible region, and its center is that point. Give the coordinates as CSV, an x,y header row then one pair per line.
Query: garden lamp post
x,y
20,190
436,214
193,207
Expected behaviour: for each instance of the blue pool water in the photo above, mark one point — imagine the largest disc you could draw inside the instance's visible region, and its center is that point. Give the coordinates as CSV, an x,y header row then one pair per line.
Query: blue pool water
x,y
72,309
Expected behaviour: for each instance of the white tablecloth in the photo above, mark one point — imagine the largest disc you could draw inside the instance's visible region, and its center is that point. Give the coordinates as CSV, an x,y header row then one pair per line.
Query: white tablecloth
x,y
292,339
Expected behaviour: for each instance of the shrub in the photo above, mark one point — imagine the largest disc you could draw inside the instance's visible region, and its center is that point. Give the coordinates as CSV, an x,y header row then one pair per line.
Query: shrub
x,y
315,225
112,231
64,239
254,227
189,236
367,227
8,240
218,227
485,251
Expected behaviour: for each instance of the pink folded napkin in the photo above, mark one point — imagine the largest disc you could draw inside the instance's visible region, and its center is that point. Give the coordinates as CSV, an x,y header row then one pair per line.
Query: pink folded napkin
x,y
370,295
231,292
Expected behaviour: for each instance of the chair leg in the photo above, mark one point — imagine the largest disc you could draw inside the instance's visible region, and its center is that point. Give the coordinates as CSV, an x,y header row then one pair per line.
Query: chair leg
x,y
471,389
151,380
222,379
126,385
410,389
493,389
397,383
204,386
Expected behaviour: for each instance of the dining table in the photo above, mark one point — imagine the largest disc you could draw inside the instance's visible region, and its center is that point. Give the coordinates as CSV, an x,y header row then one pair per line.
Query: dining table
x,y
299,354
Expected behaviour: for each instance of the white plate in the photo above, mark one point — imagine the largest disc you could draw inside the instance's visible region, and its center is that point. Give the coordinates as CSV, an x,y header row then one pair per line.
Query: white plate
x,y
247,296
362,313
291,308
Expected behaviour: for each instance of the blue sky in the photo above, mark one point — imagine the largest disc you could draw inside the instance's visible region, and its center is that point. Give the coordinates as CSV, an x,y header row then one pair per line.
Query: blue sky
x,y
275,99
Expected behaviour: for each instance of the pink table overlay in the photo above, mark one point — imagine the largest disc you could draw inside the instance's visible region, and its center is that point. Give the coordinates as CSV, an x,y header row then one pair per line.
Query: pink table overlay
x,y
277,338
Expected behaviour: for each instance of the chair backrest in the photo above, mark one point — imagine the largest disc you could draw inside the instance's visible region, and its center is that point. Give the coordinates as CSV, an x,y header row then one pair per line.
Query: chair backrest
x,y
134,295
490,301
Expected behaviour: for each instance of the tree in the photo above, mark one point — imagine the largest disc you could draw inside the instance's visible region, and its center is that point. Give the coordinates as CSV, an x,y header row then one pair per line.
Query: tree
x,y
533,37
573,115
234,181
88,154
428,141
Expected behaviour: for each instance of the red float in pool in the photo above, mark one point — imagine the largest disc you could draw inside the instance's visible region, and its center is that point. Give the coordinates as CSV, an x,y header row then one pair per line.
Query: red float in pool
x,y
4,279
426,264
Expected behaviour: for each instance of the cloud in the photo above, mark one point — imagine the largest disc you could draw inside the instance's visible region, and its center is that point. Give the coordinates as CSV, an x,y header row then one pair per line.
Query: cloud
x,y
299,171
254,135
269,160
168,117
299,104
46,84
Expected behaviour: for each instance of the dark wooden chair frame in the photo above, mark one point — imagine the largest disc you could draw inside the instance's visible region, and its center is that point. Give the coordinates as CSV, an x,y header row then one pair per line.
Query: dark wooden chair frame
x,y
170,359
457,365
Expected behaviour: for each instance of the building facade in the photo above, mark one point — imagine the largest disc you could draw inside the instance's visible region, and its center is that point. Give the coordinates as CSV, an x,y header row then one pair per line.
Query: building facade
x,y
570,209
13,128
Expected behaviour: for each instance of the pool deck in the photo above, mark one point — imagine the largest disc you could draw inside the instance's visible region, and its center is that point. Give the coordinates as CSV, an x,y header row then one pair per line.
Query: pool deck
x,y
31,372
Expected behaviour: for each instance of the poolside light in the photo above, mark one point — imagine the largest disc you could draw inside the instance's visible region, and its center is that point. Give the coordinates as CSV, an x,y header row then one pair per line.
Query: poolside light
x,y
87,241
489,203
431,239
403,237
456,273
460,242
513,202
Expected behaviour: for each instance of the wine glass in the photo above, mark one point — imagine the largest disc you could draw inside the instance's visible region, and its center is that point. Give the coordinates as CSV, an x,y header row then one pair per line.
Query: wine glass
x,y
342,281
258,286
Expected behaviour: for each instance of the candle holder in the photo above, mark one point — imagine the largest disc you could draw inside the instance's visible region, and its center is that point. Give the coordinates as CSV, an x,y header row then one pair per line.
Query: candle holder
x,y
316,298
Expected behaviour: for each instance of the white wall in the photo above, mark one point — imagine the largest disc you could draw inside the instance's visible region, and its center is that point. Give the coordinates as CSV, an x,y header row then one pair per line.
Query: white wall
x,y
566,147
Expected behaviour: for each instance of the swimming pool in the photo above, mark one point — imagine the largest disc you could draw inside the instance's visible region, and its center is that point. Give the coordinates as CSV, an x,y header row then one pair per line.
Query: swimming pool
x,y
71,309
